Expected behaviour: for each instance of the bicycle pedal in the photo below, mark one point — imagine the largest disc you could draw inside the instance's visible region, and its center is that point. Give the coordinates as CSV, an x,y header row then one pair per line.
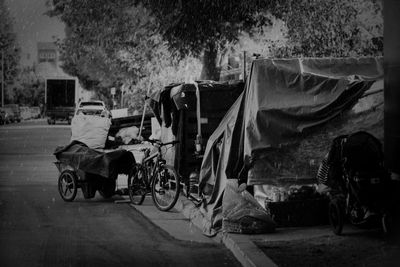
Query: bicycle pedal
x,y
195,200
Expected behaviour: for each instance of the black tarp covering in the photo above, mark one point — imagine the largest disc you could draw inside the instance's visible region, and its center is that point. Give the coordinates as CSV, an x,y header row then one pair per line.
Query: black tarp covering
x,y
167,102
284,102
175,106
106,164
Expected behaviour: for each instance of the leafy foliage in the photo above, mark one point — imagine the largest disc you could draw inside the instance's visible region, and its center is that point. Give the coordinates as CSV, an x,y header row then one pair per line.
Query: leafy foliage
x,y
27,89
8,45
98,33
315,28
110,44
190,26
205,27
332,28
148,43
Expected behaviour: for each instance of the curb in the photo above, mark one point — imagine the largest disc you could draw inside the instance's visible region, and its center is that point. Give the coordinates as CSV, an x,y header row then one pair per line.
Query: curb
x,y
246,252
241,246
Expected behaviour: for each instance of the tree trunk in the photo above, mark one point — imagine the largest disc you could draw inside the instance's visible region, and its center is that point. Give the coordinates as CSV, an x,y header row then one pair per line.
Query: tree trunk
x,y
210,70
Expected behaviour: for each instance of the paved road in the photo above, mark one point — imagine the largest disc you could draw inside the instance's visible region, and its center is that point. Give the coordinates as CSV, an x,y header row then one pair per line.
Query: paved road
x,y
38,229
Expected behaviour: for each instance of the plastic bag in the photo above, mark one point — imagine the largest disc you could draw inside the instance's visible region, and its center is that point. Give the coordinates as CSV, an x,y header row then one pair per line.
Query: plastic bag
x,y
128,133
243,214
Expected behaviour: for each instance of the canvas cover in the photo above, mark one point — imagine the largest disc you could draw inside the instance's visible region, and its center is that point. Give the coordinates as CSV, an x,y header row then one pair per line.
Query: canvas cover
x,y
106,164
276,127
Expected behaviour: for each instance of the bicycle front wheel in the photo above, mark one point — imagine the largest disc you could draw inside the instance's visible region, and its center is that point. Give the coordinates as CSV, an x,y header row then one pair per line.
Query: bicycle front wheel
x,y
165,188
137,185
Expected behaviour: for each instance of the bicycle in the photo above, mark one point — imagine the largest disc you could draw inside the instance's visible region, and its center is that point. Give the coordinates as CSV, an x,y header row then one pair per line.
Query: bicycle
x,y
155,177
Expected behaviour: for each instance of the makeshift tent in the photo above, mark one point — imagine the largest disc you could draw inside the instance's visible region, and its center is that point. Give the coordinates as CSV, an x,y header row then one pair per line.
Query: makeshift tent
x,y
279,129
190,112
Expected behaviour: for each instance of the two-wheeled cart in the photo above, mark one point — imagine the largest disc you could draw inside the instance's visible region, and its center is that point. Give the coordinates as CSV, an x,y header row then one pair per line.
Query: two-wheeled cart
x,y
90,170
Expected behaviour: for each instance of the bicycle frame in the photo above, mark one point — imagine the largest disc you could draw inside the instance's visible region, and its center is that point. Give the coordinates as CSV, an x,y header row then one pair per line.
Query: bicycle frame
x,y
151,170
160,179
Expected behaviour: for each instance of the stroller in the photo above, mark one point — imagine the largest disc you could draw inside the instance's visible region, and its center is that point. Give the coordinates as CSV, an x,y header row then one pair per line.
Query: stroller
x,y
360,189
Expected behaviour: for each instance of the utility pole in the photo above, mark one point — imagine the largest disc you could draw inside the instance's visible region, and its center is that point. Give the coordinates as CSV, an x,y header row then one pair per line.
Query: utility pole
x,y
2,78
244,66
113,94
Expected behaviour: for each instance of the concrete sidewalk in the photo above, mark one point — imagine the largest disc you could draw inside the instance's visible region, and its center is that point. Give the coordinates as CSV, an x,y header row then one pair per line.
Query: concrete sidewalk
x,y
184,222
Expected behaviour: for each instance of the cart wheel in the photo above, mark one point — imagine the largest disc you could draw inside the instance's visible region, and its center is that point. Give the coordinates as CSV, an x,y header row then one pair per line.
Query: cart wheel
x,y
67,185
336,216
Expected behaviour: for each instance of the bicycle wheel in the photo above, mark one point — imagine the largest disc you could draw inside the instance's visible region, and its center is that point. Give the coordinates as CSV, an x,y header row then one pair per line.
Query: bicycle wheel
x,y
67,185
165,188
137,185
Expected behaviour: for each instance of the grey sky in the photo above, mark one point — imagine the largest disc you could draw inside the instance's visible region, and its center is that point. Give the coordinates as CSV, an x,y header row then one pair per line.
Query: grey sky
x,y
32,26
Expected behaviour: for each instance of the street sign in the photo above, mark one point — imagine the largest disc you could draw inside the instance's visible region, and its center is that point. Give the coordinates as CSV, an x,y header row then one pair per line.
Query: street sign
x,y
113,91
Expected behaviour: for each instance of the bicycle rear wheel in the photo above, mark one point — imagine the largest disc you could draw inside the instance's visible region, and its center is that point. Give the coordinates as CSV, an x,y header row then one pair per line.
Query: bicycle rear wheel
x,y
137,185
165,188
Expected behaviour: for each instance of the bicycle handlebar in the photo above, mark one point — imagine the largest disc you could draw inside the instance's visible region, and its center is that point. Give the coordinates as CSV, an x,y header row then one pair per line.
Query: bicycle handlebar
x,y
158,142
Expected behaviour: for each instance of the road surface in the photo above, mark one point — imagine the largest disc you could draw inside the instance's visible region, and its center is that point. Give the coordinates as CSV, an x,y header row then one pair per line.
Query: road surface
x,y
37,228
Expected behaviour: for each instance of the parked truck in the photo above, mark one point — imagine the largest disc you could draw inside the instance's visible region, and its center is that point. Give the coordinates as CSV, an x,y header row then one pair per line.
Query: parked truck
x,y
61,96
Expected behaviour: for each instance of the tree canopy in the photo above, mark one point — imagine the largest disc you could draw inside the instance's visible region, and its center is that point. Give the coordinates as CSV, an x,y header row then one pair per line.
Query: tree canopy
x,y
315,28
113,43
105,40
9,48
110,43
332,28
27,89
204,27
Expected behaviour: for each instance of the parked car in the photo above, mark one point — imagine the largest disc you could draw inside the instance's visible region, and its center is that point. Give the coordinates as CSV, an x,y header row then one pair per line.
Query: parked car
x,y
10,115
25,112
92,108
4,117
35,112
15,111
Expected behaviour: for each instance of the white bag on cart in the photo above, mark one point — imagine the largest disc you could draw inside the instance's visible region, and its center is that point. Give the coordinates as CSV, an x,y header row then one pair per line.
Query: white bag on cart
x,y
90,129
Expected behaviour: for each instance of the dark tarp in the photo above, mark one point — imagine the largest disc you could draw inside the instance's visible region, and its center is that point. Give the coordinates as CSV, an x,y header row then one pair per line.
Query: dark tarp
x,y
285,102
178,96
175,106
106,164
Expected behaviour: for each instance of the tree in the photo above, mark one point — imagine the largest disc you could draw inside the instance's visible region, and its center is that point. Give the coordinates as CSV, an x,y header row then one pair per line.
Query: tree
x,y
204,27
332,28
110,43
121,48
314,28
99,36
27,89
8,45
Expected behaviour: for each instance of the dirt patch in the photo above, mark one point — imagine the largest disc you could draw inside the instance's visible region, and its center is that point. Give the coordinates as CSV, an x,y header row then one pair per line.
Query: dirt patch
x,y
361,249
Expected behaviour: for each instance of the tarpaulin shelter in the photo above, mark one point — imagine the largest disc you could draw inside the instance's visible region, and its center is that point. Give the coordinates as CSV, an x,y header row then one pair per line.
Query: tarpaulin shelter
x,y
275,130
190,112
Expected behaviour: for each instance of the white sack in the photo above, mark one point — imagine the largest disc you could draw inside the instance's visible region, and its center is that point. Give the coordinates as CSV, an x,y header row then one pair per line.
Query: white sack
x,y
90,130
128,133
